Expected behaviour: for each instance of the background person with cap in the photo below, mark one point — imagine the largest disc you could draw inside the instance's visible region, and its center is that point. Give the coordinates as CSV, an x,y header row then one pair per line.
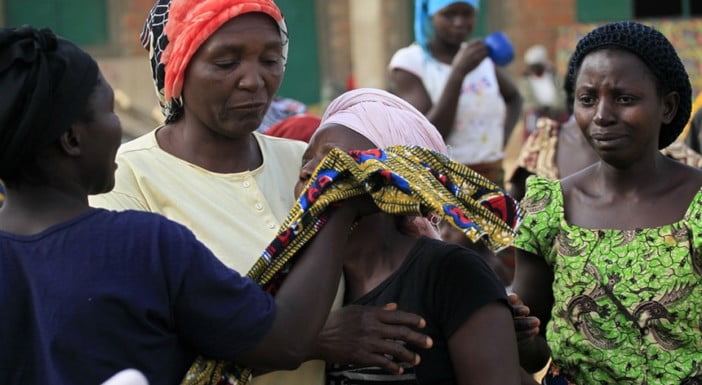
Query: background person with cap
x,y
217,65
88,292
541,89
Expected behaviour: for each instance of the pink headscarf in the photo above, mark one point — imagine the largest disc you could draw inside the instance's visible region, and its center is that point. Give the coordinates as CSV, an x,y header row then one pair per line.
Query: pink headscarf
x,y
384,119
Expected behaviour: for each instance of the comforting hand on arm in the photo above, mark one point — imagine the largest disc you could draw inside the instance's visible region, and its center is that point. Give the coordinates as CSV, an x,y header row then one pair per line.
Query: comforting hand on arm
x,y
533,283
364,335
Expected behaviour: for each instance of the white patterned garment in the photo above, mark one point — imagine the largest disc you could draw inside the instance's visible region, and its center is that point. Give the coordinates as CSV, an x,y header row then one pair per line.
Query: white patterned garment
x,y
478,135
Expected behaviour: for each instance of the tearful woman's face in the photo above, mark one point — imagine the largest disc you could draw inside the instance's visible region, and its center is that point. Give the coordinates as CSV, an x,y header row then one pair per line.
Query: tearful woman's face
x,y
618,106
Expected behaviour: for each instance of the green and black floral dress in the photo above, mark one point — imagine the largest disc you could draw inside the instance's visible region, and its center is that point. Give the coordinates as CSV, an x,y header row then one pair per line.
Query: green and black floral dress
x,y
627,303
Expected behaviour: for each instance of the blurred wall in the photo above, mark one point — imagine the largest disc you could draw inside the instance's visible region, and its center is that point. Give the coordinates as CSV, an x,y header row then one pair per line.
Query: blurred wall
x,y
335,44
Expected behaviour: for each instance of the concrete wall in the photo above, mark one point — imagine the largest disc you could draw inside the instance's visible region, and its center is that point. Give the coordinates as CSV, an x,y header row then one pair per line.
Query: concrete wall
x,y
131,16
135,97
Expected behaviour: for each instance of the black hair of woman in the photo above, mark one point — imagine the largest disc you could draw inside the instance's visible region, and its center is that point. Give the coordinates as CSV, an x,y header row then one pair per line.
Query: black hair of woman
x,y
72,275
47,82
632,96
656,51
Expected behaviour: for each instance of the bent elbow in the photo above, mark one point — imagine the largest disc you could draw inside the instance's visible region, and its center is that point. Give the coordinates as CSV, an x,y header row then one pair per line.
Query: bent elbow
x,y
296,356
288,359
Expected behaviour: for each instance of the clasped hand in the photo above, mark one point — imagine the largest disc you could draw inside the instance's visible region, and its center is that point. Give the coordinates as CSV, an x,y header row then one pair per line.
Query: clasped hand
x,y
372,336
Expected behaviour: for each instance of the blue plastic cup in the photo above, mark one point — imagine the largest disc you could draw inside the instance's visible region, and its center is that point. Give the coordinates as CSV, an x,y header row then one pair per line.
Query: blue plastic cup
x,y
500,49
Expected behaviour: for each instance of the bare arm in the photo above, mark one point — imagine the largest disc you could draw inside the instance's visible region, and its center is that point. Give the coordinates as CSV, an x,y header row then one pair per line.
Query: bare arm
x,y
451,235
443,113
304,300
410,88
484,348
513,101
533,283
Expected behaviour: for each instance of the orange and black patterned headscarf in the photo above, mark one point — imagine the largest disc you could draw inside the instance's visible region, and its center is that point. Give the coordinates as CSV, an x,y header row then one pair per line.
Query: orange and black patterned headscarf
x,y
175,29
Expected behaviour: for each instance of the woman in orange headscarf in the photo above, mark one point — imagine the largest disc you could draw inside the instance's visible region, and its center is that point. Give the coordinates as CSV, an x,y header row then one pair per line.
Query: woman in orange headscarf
x,y
217,65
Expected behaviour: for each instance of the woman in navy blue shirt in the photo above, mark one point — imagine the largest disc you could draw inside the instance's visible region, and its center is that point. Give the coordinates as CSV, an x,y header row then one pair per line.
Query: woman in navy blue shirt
x,y
88,292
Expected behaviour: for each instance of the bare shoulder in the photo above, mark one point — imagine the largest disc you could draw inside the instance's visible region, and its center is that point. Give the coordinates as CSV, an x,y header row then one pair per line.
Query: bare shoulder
x,y
684,180
410,87
581,180
402,79
596,199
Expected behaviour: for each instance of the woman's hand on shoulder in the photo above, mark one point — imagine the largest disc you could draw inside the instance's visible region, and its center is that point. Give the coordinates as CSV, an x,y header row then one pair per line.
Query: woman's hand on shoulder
x,y
525,326
534,282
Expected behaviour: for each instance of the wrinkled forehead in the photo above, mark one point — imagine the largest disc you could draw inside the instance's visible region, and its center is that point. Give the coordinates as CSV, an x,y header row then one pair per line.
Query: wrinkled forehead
x,y
610,57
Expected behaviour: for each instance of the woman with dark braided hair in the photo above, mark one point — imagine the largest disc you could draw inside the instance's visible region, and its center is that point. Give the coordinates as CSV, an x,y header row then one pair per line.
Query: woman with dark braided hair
x,y
87,292
609,258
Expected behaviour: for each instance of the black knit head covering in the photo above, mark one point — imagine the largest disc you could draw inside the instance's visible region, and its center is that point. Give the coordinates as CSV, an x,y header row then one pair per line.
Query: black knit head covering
x,y
654,49
46,83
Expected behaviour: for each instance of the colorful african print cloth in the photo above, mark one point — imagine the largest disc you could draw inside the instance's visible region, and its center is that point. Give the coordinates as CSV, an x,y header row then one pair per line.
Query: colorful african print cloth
x,y
626,302
538,154
402,180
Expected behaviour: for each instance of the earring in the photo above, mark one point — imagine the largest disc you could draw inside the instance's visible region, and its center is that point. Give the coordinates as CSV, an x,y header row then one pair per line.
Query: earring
x,y
434,219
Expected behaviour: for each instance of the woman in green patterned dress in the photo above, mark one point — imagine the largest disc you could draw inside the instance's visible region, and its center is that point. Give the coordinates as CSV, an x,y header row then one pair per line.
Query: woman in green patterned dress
x,y
609,258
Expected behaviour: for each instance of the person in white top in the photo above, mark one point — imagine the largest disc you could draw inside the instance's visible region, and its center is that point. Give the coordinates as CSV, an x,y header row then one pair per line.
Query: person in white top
x,y
474,104
541,89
